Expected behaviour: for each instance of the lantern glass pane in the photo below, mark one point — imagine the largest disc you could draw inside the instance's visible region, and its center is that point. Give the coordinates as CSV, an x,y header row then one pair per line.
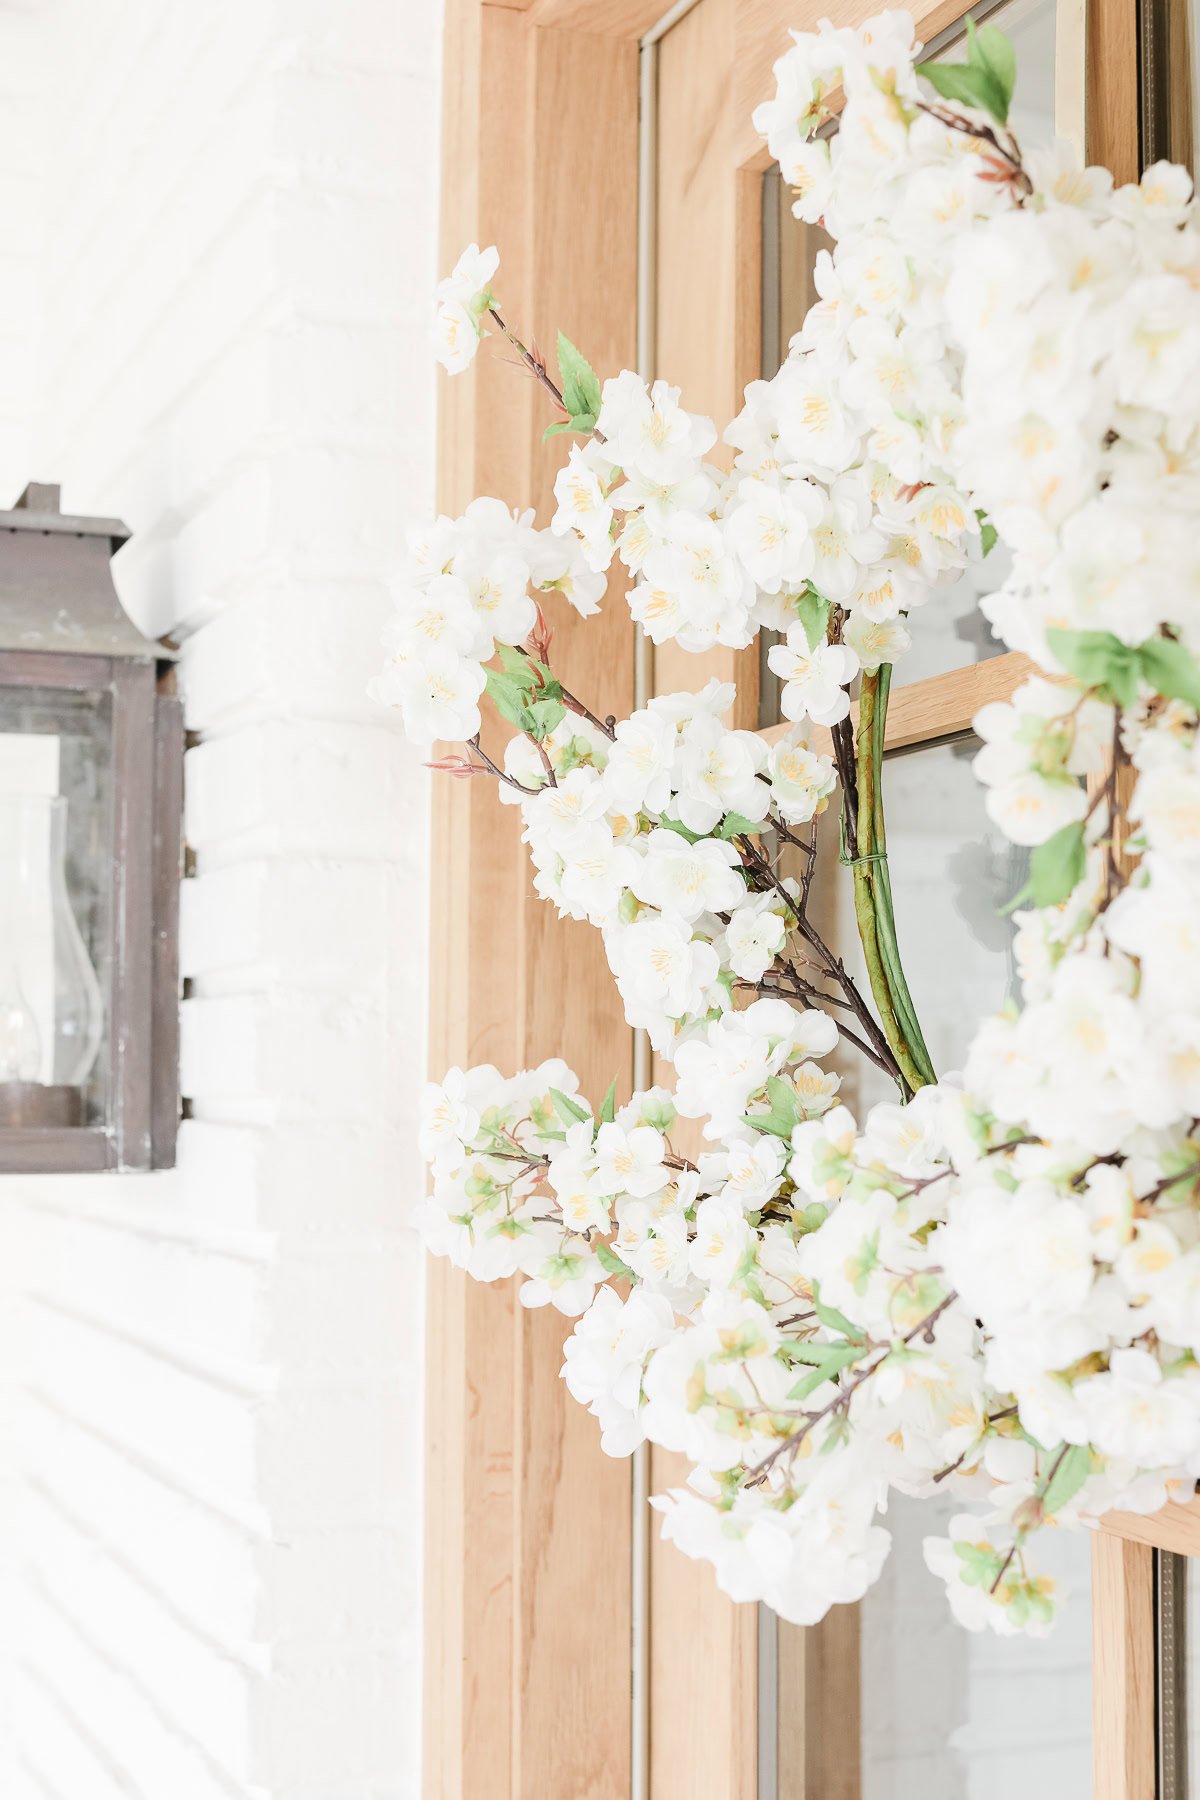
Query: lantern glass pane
x,y
56,905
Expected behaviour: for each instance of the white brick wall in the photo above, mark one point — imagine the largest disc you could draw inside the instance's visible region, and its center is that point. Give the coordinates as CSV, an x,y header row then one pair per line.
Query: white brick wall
x,y
218,247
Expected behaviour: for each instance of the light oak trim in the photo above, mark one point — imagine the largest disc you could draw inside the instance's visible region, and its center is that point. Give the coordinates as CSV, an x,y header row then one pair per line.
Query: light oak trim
x,y
1175,1528
706,262
703,1672
527,1595
943,706
819,1738
606,18
1123,1701
1112,106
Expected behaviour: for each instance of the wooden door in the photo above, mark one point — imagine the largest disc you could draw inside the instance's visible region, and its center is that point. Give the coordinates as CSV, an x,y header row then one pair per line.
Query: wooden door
x,y
544,1577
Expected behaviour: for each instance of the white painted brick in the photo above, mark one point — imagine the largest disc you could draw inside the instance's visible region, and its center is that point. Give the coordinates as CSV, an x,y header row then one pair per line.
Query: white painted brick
x,y
371,34
283,1180
256,1059
259,926
341,255
305,651
289,789
214,322
345,135
106,1703
165,1289
199,1685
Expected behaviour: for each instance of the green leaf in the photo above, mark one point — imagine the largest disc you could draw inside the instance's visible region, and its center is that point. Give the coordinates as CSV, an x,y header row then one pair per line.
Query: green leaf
x,y
526,693
813,613
1099,660
1170,668
988,534
608,1106
969,85
980,1564
1056,867
767,1122
507,694
833,1319
737,825
680,829
785,1110
1067,1478
784,1103
582,424
568,1109
610,1261
539,719
514,662
580,383
990,50
833,1359
534,676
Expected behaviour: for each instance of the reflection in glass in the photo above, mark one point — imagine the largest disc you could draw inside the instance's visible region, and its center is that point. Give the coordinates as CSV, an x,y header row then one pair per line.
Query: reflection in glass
x,y
1170,58
949,631
952,872
1174,1755
895,1700
939,1712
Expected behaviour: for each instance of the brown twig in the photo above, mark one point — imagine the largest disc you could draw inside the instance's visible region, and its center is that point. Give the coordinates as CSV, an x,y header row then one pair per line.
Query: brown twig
x,y
487,767
1011,158
759,867
844,1395
533,362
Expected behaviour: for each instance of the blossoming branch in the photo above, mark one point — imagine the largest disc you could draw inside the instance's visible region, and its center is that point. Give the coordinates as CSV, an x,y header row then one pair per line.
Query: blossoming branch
x,y
990,1287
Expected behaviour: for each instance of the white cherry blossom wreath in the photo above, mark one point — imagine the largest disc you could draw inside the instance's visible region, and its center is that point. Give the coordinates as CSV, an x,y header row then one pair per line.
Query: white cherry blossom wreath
x,y
992,1286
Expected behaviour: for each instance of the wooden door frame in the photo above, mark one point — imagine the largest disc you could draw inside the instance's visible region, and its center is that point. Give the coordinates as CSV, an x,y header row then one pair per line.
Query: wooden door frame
x,y
528,1542
527,1615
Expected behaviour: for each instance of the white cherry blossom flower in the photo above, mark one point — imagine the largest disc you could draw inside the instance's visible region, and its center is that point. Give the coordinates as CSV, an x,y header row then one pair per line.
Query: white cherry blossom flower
x,y
583,506
815,681
630,1162
770,528
464,298
605,1357
721,1241
754,936
689,879
1133,1410
647,432
801,781
439,695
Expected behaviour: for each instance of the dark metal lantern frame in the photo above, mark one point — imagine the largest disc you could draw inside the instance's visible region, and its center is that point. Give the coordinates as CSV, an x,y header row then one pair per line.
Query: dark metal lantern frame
x,y
62,627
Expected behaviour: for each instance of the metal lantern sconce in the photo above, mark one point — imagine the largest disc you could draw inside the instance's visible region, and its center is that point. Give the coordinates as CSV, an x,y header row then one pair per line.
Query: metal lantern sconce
x,y
91,811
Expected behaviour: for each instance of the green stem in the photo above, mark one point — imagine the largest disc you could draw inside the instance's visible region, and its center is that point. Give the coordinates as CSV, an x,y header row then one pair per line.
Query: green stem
x,y
873,892
885,918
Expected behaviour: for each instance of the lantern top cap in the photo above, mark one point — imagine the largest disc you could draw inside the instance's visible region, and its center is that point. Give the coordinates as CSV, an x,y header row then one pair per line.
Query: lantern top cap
x,y
57,598
40,509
